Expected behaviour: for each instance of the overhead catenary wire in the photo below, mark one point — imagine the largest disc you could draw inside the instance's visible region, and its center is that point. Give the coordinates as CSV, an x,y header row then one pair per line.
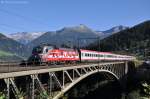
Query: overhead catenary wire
x,y
26,18
23,17
12,27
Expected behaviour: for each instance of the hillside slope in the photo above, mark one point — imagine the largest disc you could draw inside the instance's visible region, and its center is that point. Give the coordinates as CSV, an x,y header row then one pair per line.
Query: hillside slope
x,y
9,47
134,40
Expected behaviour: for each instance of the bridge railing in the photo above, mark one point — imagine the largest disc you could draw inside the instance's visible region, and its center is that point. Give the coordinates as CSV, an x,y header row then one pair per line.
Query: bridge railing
x,y
13,66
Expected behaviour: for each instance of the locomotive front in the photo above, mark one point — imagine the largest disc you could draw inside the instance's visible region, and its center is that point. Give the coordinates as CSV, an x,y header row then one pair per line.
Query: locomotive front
x,y
39,54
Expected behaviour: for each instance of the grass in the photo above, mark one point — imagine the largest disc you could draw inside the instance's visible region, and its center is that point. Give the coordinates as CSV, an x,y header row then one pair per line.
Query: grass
x,y
138,62
3,53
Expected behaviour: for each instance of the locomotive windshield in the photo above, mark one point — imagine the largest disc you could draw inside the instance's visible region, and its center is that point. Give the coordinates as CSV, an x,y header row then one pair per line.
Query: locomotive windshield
x,y
47,48
41,49
37,50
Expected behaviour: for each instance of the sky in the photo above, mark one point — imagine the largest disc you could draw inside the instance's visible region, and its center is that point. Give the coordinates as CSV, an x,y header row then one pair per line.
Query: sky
x,y
52,15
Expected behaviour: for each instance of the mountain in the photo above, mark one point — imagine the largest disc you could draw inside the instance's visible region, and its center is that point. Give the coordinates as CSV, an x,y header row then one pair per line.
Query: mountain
x,y
68,36
115,29
111,31
107,33
25,37
11,49
135,40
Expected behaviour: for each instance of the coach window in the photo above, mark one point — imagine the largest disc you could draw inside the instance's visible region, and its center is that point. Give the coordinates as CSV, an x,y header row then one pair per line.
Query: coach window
x,y
82,54
85,54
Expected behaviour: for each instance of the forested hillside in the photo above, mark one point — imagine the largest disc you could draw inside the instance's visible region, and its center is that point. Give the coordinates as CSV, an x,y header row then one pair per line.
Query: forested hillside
x,y
135,40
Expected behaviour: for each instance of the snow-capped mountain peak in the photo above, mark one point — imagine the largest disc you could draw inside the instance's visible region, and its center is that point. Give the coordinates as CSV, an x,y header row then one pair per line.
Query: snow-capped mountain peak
x,y
25,37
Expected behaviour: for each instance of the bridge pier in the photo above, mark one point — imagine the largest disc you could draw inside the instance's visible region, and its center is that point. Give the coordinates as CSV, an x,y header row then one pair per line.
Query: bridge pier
x,y
32,86
126,67
36,81
13,87
8,88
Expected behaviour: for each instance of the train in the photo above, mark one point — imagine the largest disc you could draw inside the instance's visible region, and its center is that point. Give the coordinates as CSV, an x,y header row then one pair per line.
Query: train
x,y
49,54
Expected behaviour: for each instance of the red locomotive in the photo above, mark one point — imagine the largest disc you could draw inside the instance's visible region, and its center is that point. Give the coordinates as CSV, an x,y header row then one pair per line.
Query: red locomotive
x,y
51,55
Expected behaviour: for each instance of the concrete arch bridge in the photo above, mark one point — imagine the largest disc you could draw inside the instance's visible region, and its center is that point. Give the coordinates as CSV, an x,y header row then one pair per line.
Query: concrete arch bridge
x,y
53,82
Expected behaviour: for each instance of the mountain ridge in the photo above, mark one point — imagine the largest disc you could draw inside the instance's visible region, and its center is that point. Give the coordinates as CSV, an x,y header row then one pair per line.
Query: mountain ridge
x,y
135,40
27,37
65,35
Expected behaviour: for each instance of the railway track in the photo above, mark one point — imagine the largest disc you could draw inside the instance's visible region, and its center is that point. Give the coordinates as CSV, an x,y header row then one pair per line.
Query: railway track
x,y
9,63
14,67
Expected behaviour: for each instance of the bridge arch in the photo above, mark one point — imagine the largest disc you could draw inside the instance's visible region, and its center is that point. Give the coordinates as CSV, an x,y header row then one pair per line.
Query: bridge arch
x,y
60,80
78,80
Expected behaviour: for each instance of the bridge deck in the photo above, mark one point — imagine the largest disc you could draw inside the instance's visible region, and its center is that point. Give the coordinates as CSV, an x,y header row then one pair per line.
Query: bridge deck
x,y
15,71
